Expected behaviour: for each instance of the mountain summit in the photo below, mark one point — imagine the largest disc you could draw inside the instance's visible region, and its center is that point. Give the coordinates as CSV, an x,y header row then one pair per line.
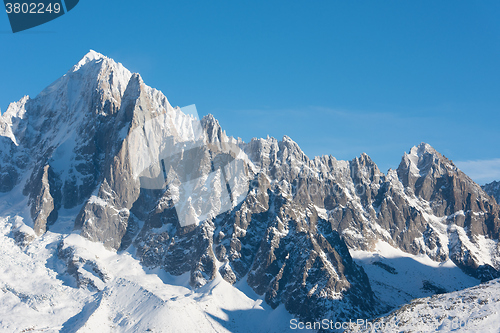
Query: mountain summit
x,y
91,56
101,156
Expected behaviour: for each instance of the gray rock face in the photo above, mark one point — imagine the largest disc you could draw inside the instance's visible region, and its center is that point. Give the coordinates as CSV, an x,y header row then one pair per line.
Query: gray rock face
x,y
191,199
105,217
273,238
41,202
9,175
493,189
436,180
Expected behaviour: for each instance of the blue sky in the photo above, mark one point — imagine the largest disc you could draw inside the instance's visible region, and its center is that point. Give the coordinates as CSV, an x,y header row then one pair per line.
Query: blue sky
x,y
338,77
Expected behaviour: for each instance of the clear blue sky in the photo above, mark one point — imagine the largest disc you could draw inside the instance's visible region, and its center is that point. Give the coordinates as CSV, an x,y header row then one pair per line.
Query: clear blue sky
x,y
338,77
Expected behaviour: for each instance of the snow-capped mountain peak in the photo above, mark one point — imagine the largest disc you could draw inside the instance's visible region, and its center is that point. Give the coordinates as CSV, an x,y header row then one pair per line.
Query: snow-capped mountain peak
x,y
423,160
421,149
91,56
96,84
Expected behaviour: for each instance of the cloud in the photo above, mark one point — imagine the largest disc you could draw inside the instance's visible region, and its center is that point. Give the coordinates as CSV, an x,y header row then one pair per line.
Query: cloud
x,y
481,171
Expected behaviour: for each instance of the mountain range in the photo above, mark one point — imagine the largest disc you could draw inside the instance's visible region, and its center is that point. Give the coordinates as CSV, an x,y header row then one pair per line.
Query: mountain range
x,y
137,216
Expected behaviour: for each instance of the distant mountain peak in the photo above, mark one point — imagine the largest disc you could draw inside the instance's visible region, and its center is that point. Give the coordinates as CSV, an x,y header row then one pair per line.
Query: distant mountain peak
x,y
421,149
210,118
493,189
421,159
96,83
87,58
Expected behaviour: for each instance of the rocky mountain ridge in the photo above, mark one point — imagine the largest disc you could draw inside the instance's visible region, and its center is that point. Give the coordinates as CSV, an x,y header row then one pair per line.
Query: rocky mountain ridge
x,y
493,189
203,203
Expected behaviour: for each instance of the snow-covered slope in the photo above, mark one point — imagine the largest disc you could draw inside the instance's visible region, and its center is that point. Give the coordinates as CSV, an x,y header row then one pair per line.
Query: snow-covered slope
x,y
66,283
472,310
398,277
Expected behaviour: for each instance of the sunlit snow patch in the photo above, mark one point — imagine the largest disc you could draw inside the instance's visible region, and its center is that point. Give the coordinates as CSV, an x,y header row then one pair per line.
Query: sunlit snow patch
x,y
398,277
